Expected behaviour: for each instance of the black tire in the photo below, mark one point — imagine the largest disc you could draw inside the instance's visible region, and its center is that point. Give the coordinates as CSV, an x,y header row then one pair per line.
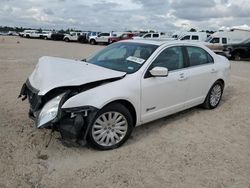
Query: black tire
x,y
208,103
92,41
237,56
113,108
66,39
27,36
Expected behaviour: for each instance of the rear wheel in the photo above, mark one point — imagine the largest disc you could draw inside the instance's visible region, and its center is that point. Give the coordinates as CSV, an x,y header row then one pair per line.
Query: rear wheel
x,y
237,56
92,41
111,127
214,96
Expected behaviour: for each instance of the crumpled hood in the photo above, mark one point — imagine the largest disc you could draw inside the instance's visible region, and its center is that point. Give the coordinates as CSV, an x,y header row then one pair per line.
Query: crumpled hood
x,y
53,72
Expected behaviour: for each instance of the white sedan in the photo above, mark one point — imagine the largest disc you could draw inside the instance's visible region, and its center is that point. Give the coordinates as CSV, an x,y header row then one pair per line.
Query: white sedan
x,y
102,98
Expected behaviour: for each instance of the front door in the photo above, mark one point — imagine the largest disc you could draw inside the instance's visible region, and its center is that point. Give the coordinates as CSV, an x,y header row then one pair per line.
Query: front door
x,y
161,96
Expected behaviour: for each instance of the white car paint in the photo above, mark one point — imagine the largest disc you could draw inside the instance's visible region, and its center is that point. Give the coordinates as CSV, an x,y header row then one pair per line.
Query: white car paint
x,y
68,73
180,90
101,38
31,34
154,36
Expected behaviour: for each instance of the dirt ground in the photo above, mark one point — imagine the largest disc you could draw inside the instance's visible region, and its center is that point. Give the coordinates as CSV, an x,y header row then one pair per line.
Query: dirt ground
x,y
194,148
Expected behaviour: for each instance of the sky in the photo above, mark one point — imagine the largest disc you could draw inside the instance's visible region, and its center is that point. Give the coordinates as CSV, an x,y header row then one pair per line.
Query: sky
x,y
120,15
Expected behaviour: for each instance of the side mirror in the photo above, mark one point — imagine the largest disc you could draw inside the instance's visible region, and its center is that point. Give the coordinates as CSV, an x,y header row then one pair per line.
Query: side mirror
x,y
159,71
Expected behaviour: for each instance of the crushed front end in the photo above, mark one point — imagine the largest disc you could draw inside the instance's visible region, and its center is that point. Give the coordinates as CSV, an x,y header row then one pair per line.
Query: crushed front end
x,y
46,111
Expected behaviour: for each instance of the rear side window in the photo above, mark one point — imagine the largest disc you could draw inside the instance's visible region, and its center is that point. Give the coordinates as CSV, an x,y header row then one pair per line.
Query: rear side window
x,y
198,56
186,37
195,37
155,35
224,40
147,36
104,34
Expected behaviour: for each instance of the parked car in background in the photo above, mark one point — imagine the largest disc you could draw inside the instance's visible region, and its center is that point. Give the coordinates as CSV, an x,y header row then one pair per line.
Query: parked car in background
x,y
100,38
129,83
193,36
46,34
57,36
124,36
91,35
32,34
12,33
83,37
238,51
72,36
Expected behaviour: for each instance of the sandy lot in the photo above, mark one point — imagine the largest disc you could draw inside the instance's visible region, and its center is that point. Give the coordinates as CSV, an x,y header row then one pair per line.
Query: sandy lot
x,y
194,148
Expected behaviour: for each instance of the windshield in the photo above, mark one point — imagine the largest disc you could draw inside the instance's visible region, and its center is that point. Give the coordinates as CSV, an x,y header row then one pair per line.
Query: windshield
x,y
208,39
126,56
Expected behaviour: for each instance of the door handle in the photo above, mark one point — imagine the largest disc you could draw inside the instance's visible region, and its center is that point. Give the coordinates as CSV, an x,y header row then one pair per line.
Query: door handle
x,y
213,70
182,77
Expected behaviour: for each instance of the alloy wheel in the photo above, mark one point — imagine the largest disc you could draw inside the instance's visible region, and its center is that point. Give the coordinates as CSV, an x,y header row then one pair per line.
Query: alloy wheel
x,y
109,128
215,95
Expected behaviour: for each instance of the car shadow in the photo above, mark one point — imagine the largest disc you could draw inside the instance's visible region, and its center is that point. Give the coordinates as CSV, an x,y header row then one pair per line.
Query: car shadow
x,y
140,132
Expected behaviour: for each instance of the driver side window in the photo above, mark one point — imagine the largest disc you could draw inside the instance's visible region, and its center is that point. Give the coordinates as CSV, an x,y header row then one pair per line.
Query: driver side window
x,y
170,58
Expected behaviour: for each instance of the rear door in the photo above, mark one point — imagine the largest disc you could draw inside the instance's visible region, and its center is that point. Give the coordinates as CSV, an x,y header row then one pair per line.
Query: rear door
x,y
106,37
202,71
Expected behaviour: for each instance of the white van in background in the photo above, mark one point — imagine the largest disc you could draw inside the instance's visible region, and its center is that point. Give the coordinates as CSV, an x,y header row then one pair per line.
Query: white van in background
x,y
229,37
216,41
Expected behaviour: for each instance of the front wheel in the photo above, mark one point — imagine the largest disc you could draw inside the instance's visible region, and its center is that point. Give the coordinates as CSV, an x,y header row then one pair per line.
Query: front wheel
x,y
111,127
214,96
66,39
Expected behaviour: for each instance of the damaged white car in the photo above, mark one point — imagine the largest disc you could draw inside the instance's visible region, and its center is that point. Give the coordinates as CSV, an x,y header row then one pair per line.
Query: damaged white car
x,y
102,98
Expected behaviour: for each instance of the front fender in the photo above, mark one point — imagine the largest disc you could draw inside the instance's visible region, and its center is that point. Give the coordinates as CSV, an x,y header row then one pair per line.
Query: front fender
x,y
102,95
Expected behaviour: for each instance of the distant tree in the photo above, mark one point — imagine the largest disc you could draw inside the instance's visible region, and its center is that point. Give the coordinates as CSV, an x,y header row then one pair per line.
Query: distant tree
x,y
61,31
192,30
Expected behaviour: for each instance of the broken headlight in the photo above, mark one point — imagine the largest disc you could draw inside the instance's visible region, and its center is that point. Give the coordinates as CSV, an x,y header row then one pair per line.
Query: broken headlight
x,y
49,111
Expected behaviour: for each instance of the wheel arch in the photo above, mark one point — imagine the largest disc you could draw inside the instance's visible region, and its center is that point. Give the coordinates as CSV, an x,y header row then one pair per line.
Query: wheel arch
x,y
128,105
92,40
242,51
222,82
